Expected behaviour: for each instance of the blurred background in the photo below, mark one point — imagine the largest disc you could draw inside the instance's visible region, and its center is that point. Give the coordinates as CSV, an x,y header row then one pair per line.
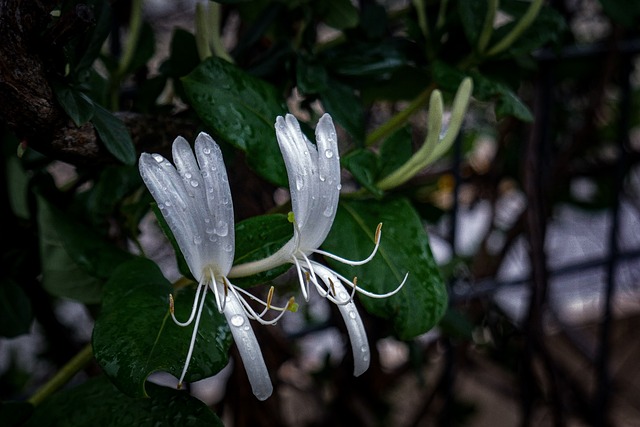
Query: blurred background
x,y
533,217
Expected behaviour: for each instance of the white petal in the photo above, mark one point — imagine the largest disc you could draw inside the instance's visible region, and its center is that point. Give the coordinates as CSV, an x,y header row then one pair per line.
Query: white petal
x,y
325,202
167,188
300,158
247,346
352,320
219,234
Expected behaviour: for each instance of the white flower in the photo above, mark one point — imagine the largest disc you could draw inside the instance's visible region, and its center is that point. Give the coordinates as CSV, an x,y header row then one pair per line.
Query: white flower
x,y
314,183
195,200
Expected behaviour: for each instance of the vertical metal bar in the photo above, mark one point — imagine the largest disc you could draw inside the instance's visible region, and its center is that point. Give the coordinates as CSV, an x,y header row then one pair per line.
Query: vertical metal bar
x,y
603,398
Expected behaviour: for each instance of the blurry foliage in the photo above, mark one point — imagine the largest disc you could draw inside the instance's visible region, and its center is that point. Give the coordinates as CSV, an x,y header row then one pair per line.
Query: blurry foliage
x,y
370,65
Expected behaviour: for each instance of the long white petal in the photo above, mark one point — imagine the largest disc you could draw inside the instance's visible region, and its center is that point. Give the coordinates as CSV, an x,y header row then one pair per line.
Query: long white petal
x,y
219,235
300,158
247,346
167,188
352,320
325,201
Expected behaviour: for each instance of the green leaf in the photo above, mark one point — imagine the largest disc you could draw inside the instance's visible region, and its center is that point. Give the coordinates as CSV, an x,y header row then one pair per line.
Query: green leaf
x,y
14,414
395,151
339,14
257,238
76,104
112,186
472,15
15,309
114,135
75,258
96,402
345,107
184,54
404,248
311,77
135,336
241,110
363,165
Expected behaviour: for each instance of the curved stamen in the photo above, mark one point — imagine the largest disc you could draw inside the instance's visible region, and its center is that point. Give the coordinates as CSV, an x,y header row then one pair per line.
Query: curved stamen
x,y
351,262
303,286
214,287
193,309
251,313
193,339
369,293
258,300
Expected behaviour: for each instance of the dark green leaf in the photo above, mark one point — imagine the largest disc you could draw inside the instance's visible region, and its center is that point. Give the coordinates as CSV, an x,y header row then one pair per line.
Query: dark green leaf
x,y
114,135
241,110
144,49
184,54
339,14
472,15
395,151
99,33
15,310
363,165
76,104
311,77
404,249
345,107
257,238
75,259
97,402
135,336
624,12
14,414
111,187
367,58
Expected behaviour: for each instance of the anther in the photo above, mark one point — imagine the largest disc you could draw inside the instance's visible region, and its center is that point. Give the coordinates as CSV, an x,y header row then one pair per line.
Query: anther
x,y
270,297
378,230
333,289
171,306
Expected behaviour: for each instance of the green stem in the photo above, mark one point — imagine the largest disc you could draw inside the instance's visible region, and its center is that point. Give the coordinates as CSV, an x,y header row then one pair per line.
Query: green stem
x,y
527,19
487,27
135,25
397,121
202,32
442,14
63,376
215,41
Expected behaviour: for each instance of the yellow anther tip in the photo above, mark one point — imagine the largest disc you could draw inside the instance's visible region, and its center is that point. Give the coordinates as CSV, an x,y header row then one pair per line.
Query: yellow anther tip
x,y
171,306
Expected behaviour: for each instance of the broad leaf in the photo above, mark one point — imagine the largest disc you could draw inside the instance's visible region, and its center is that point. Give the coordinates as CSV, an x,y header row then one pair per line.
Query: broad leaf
x,y
363,165
395,151
345,107
114,135
75,259
241,110
404,249
76,104
135,336
97,402
257,238
472,15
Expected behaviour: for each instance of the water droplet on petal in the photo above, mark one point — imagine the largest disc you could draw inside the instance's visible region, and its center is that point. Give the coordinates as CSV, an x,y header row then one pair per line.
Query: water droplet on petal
x,y
206,150
228,247
299,183
157,157
167,203
222,229
187,175
339,187
322,178
364,349
328,211
197,239
328,153
246,327
194,183
237,320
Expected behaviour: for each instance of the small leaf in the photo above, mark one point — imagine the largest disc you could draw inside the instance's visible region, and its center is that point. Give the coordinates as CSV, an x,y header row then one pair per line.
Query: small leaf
x,y
114,135
395,151
345,107
135,336
404,248
96,402
363,165
76,104
15,309
472,15
257,238
339,14
75,259
241,110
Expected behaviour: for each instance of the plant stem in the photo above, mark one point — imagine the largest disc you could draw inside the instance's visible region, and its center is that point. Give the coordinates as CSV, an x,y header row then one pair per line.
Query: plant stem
x,y
515,33
397,121
135,25
63,376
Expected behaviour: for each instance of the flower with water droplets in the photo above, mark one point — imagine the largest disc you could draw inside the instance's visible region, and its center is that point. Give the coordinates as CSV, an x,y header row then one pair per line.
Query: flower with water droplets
x,y
314,182
195,200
